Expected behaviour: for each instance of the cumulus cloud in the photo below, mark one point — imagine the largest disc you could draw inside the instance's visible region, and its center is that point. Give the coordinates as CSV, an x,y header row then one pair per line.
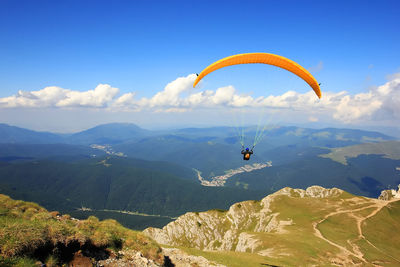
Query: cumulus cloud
x,y
58,97
389,95
170,95
382,102
349,108
170,99
99,97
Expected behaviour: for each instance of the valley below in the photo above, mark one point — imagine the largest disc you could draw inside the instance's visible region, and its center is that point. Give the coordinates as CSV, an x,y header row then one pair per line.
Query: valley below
x,y
220,180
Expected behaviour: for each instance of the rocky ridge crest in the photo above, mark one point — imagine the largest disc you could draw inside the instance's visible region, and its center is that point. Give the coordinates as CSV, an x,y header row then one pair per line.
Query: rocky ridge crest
x,y
390,194
229,230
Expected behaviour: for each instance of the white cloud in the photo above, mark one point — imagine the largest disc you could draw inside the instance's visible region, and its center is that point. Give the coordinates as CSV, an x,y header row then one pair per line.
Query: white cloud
x,y
170,99
170,95
58,97
379,103
125,99
46,97
382,102
197,99
390,95
223,95
350,108
99,97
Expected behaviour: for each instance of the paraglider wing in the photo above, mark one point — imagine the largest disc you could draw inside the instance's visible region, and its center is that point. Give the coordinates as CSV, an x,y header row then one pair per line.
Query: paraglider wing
x,y
263,58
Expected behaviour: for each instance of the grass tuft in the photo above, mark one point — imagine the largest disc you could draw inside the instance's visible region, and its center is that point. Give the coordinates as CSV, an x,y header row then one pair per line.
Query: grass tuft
x,y
31,233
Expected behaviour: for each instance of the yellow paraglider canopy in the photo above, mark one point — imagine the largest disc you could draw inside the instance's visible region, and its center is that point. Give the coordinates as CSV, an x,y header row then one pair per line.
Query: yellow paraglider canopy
x,y
263,58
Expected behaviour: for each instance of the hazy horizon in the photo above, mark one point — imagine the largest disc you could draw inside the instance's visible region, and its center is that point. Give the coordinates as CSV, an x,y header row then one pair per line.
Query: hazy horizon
x,y
387,131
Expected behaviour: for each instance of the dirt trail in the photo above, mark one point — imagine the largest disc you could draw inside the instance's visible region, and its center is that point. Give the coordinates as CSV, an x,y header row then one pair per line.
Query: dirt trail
x,y
378,205
343,249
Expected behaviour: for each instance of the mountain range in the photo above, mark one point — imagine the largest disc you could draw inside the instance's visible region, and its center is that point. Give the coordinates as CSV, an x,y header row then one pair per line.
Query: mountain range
x,y
117,133
125,172
291,227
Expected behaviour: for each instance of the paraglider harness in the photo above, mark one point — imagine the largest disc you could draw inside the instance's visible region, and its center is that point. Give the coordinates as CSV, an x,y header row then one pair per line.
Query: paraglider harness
x,y
246,153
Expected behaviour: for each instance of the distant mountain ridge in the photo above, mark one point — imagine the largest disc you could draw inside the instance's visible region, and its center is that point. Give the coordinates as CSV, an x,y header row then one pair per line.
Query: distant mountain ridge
x,y
13,134
116,133
16,152
170,155
111,133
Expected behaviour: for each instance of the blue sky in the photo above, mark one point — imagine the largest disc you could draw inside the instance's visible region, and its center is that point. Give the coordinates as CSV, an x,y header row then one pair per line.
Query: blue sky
x,y
141,46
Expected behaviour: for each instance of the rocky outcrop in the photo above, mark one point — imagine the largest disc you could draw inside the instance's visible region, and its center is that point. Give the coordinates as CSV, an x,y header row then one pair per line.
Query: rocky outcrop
x,y
181,259
127,258
231,230
390,194
247,243
312,191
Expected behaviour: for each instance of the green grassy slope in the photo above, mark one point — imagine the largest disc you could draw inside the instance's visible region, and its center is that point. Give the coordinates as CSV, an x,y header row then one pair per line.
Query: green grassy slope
x,y
30,233
389,149
375,230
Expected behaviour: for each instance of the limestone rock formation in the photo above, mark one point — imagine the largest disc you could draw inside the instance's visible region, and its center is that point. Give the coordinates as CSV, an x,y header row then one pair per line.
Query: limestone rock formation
x,y
390,194
293,227
181,259
227,230
127,258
